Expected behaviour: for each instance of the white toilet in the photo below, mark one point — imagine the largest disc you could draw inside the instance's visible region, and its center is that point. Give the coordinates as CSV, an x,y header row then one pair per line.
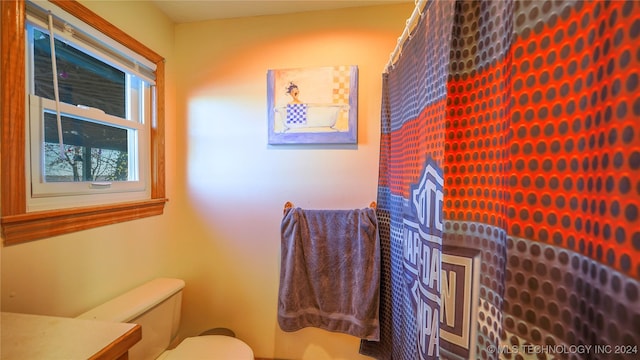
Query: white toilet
x,y
156,307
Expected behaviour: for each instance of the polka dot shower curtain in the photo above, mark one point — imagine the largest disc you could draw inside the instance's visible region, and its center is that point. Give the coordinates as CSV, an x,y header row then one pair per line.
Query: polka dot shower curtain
x,y
512,128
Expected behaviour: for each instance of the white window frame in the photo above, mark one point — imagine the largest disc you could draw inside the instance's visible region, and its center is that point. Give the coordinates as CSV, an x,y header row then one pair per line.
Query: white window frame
x,y
43,195
51,195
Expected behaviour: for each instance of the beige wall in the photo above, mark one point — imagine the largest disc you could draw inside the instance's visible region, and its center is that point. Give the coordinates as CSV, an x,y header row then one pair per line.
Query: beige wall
x,y
227,186
235,184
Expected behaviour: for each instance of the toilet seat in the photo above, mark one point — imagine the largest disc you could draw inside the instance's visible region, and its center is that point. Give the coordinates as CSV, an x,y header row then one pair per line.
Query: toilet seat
x,y
211,347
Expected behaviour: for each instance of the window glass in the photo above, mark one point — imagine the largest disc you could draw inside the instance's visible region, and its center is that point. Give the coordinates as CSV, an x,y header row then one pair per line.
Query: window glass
x,y
82,79
91,151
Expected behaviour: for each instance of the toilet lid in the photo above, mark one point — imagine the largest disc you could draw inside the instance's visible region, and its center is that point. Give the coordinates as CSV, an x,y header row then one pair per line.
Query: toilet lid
x,y
211,347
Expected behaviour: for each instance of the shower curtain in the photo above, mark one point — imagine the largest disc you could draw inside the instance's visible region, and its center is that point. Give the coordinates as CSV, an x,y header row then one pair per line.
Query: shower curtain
x,y
513,128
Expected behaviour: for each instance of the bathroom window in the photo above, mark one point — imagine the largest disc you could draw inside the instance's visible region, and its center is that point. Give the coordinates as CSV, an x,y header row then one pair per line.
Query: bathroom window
x,y
91,133
89,125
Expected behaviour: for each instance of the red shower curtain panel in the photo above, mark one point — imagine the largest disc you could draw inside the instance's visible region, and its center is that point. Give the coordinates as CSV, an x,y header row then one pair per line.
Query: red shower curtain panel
x,y
529,111
573,250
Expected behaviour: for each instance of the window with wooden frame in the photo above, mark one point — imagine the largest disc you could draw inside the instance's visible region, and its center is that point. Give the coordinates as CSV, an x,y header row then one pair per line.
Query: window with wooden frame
x,y
82,122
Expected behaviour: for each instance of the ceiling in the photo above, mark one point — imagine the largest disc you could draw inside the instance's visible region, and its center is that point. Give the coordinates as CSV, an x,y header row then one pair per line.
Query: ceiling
x,y
183,11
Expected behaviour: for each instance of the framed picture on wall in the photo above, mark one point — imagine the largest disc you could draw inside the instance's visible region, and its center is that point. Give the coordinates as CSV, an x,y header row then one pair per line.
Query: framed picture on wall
x,y
313,105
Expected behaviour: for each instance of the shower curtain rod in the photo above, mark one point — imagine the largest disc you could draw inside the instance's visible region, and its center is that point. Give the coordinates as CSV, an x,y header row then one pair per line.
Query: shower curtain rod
x,y
415,15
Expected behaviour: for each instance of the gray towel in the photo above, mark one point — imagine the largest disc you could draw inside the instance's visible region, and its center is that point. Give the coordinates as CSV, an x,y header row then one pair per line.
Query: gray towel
x,y
330,271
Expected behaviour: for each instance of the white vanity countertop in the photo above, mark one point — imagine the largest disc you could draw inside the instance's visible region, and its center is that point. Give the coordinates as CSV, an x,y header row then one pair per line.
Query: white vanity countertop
x,y
27,336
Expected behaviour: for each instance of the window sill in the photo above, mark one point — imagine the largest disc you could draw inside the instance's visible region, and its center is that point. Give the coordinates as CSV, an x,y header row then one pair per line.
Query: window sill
x,y
42,224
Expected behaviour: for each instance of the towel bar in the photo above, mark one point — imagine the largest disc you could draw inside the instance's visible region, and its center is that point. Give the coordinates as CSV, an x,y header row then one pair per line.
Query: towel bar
x,y
289,205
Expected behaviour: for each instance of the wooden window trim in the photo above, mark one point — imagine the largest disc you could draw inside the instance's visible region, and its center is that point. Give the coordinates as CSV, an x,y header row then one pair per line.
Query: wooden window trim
x,y
18,225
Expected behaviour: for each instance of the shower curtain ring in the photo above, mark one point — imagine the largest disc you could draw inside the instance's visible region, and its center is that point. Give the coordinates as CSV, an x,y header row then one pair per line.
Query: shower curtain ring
x,y
419,6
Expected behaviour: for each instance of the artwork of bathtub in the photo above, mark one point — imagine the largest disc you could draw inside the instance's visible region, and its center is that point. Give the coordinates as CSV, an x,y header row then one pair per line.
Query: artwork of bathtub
x,y
313,105
311,117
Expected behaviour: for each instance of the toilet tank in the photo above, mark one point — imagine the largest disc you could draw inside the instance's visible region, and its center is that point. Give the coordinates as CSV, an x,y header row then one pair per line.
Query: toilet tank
x,y
155,306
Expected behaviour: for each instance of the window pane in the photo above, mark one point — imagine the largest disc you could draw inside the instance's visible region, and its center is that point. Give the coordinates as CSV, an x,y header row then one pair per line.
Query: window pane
x,y
92,151
82,79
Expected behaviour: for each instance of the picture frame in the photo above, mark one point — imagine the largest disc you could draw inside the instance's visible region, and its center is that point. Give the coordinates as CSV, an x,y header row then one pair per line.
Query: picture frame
x,y
316,105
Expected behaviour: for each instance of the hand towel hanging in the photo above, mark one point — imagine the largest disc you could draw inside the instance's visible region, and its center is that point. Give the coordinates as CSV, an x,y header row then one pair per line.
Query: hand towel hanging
x,y
330,271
